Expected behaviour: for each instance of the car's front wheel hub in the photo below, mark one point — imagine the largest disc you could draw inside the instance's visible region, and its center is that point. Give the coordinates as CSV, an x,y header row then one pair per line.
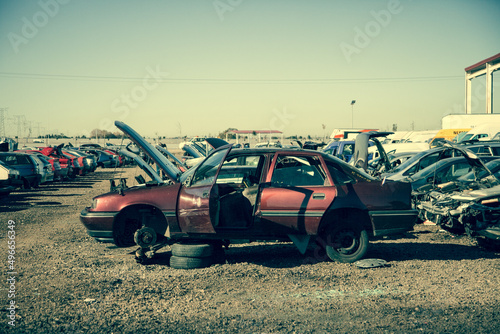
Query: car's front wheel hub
x,y
145,237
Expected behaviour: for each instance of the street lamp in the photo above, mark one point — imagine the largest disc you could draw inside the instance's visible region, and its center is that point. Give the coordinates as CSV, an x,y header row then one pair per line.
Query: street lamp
x,y
352,113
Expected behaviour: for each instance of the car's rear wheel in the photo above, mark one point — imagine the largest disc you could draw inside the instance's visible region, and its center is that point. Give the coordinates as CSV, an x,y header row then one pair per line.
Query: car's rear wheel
x,y
346,242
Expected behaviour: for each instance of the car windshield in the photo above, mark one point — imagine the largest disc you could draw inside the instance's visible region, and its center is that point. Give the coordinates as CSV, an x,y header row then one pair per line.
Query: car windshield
x,y
467,137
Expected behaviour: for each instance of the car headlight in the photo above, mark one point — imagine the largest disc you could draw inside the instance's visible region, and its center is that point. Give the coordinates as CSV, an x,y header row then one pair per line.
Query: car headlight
x,y
14,172
94,204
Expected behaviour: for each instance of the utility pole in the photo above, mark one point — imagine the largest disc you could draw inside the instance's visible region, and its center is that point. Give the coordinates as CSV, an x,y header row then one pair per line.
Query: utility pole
x,y
18,118
3,111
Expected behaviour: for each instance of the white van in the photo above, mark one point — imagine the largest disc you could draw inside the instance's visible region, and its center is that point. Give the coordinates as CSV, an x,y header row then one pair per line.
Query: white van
x,y
482,132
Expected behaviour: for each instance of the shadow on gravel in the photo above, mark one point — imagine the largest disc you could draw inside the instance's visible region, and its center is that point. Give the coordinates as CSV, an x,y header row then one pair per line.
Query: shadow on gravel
x,y
161,258
11,209
60,195
428,251
287,256
272,256
73,185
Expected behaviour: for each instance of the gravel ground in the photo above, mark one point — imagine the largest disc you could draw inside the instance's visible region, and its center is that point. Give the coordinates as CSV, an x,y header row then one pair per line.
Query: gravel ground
x,y
67,282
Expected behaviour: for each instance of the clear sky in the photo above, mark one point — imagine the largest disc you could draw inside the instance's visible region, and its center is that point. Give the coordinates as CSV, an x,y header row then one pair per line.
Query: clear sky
x,y
198,67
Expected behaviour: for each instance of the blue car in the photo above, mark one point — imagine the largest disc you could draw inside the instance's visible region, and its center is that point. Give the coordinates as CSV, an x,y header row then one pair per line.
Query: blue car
x,y
26,165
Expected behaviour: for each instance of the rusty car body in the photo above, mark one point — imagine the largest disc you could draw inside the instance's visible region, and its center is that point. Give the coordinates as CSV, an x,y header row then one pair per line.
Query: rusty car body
x,y
254,194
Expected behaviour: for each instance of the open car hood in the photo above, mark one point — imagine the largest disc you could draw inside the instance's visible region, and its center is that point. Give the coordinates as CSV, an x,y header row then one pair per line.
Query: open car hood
x,y
172,172
197,150
471,157
166,153
473,160
143,165
216,142
193,151
360,156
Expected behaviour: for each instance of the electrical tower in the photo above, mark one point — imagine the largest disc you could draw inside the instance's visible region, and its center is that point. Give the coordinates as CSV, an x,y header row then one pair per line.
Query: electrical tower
x,y
3,111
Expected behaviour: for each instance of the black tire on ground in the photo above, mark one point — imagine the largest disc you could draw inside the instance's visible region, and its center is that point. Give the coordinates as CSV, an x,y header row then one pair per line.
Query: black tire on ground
x,y
192,250
181,262
346,242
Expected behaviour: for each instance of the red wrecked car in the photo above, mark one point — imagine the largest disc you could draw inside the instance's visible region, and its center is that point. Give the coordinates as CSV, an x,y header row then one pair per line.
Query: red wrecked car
x,y
251,194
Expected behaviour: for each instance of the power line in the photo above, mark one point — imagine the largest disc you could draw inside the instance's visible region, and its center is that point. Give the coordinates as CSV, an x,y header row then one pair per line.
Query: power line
x,y
221,80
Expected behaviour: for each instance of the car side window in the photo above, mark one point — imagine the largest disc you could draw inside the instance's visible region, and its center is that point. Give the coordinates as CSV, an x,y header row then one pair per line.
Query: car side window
x,y
244,169
296,171
205,173
453,172
429,160
495,150
348,149
339,177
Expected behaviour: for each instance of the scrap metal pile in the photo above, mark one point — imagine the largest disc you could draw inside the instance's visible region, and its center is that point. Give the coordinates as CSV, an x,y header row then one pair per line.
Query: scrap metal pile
x,y
470,204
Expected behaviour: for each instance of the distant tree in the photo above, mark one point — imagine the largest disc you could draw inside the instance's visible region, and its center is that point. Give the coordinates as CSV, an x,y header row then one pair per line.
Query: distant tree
x,y
228,133
103,134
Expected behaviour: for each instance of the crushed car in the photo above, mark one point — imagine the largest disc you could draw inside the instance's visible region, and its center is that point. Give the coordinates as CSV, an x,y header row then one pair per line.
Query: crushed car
x,y
305,196
469,205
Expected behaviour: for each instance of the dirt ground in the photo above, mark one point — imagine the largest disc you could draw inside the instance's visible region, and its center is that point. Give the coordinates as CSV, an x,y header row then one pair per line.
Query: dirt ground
x,y
67,282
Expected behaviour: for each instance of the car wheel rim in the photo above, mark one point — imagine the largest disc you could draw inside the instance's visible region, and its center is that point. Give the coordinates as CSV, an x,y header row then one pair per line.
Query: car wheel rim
x,y
346,242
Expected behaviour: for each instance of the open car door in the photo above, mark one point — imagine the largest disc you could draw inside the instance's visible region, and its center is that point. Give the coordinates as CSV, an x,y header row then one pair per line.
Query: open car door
x,y
198,202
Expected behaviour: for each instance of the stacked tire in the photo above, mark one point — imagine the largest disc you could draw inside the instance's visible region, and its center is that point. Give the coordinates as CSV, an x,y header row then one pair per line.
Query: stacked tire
x,y
194,255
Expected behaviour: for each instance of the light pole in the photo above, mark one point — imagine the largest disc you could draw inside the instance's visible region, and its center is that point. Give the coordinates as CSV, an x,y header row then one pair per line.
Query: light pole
x,y
352,113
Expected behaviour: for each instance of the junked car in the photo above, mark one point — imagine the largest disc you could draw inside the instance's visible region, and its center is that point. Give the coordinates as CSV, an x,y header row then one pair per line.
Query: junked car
x,y
197,150
469,206
26,165
60,172
444,171
420,161
10,179
252,194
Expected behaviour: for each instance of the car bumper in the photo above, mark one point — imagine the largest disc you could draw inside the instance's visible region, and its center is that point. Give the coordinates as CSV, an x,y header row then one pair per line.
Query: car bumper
x,y
99,225
15,181
6,190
